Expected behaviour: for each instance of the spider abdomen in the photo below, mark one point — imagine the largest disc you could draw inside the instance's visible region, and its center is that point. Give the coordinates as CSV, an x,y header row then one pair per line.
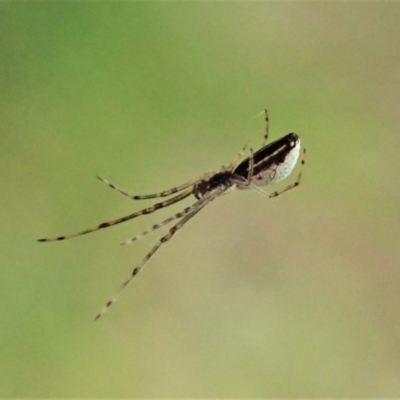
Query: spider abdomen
x,y
273,163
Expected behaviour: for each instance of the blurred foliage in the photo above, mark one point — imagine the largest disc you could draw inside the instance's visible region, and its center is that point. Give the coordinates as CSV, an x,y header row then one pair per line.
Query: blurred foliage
x,y
290,297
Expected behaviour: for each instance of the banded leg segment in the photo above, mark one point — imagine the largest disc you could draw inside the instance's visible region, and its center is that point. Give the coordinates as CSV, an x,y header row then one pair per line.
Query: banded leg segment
x,y
107,224
140,266
181,214
165,193
196,207
266,134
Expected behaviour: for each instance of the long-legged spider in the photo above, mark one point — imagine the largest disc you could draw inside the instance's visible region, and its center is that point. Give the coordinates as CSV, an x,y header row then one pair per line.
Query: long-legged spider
x,y
272,163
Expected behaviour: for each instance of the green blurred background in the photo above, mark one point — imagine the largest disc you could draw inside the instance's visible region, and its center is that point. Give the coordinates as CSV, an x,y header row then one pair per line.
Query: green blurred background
x,y
293,296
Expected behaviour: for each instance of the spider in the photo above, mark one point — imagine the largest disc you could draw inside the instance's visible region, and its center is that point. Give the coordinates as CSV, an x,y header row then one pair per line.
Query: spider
x,y
272,163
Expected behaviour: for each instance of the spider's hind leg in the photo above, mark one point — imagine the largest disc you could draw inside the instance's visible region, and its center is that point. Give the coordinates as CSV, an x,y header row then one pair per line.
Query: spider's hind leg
x,y
141,265
164,193
145,211
180,214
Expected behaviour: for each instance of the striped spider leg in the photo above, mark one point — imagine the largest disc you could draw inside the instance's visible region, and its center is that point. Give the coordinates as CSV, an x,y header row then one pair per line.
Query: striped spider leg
x,y
185,216
266,119
148,210
273,162
186,211
165,193
266,134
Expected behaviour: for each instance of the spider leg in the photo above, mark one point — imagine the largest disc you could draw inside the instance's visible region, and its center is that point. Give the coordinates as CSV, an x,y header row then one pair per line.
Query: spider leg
x,y
196,207
140,266
266,134
241,152
243,183
165,193
181,214
147,210
233,165
250,170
